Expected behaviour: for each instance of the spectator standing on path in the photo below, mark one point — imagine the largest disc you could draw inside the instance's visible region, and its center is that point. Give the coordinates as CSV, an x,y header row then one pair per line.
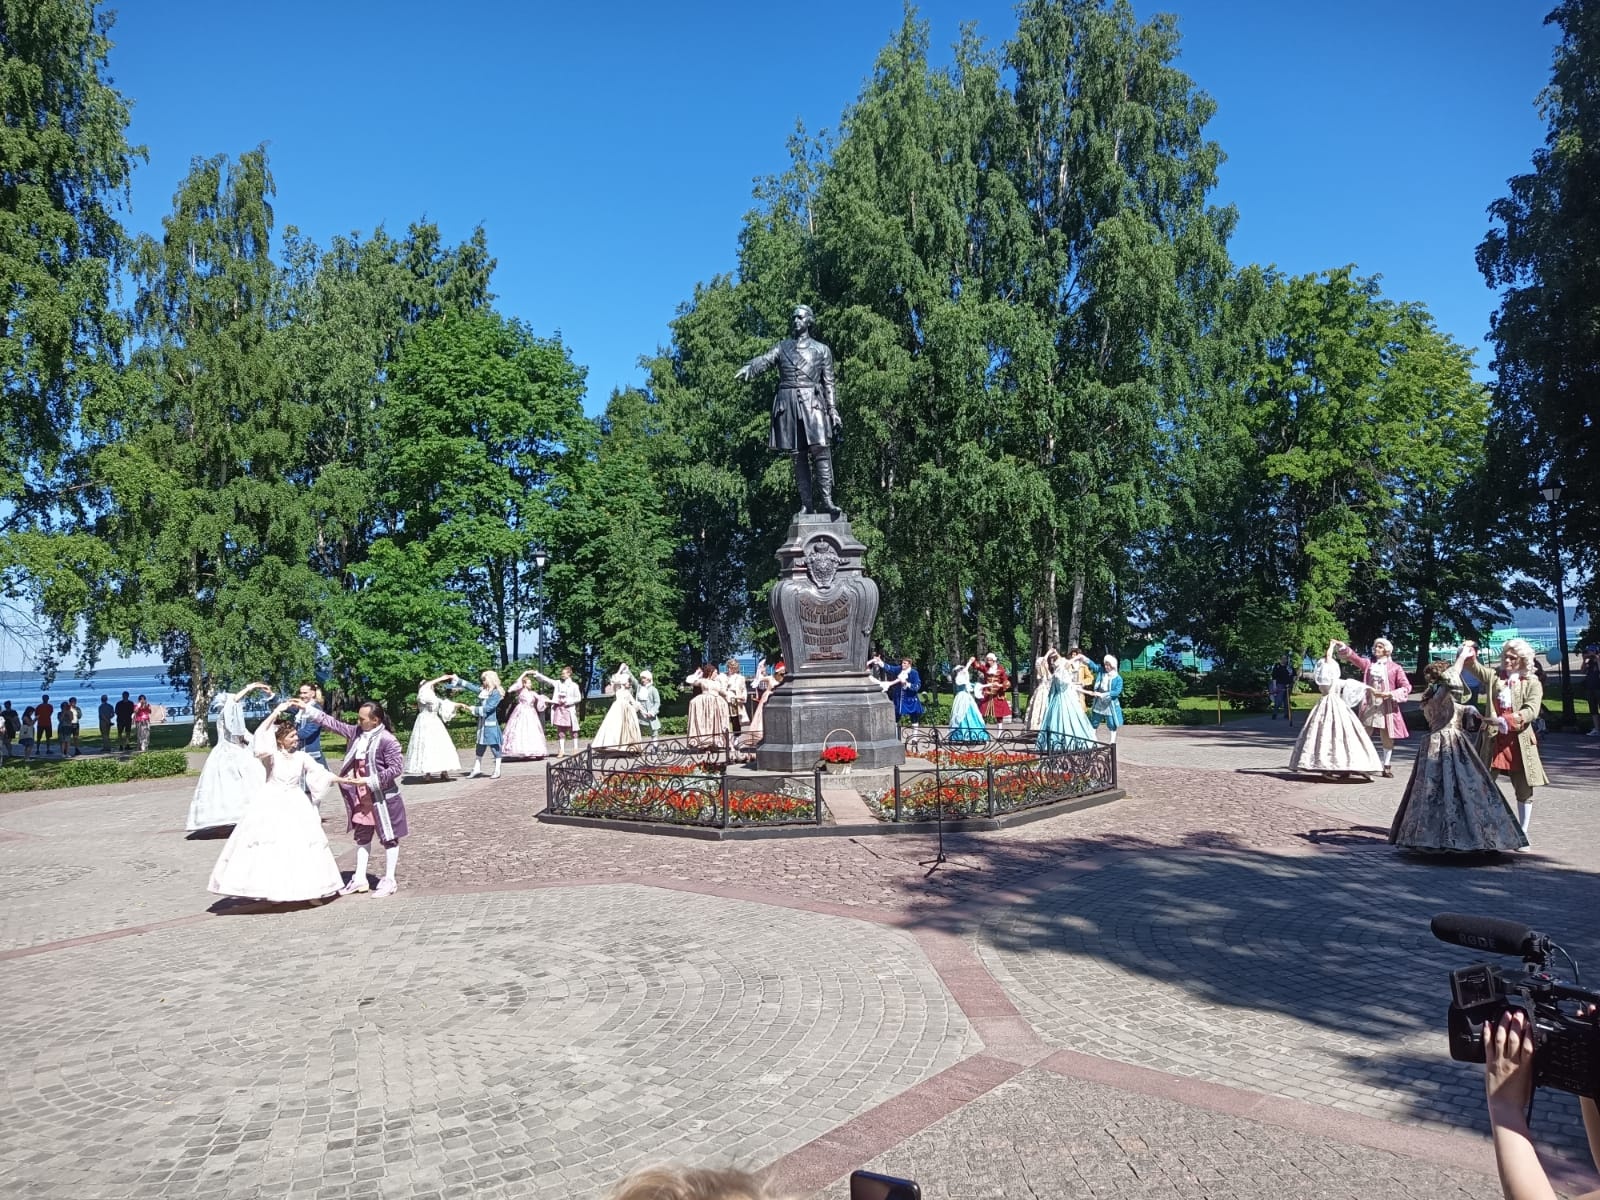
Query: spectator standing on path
x,y
25,737
142,714
124,709
1282,687
43,721
1591,686
10,726
107,714
71,722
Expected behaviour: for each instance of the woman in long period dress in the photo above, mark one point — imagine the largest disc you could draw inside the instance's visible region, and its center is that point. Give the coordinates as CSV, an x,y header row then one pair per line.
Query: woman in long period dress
x,y
966,722
278,852
708,710
1451,803
1065,725
620,727
232,775
1333,740
756,727
524,731
565,696
432,752
1041,689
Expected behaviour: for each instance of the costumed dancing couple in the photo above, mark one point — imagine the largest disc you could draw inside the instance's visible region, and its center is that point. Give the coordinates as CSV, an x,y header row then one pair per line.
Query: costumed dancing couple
x,y
277,851
1452,803
1063,722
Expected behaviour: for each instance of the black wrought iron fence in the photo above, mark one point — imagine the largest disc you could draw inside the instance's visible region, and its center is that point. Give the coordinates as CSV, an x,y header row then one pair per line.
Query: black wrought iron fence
x,y
679,781
1007,771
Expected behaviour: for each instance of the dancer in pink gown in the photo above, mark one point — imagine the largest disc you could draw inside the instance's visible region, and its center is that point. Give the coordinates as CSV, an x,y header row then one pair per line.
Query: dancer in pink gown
x,y
524,735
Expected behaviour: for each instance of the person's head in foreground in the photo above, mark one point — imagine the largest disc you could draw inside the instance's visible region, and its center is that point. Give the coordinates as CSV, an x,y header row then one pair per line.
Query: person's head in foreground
x,y
691,1183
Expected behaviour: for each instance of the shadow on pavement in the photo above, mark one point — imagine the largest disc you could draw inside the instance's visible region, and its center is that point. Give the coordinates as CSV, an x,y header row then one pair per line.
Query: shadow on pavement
x,y
1337,942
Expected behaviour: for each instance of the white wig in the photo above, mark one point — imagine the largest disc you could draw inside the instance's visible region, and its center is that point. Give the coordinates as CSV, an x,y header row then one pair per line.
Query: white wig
x,y
1521,649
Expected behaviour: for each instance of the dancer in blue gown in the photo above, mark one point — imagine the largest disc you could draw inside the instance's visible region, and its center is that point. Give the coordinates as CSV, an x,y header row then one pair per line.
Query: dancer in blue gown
x,y
966,722
1065,725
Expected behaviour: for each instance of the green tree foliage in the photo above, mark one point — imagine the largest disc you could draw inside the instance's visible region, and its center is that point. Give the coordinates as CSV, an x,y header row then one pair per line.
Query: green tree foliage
x,y
193,469
613,594
1544,254
343,315
64,167
397,624
1333,479
1012,258
482,424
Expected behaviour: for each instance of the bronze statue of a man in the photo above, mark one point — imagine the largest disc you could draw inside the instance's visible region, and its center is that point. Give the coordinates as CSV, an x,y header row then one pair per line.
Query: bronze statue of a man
x,y
804,414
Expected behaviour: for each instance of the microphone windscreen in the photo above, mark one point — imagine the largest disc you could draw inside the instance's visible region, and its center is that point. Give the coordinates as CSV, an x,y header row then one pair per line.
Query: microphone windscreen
x,y
1482,933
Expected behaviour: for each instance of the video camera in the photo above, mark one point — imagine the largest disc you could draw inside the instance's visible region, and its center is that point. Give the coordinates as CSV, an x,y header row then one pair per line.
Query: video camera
x,y
1566,1029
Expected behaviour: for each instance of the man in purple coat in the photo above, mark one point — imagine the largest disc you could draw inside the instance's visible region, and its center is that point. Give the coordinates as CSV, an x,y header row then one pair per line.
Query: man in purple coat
x,y
374,808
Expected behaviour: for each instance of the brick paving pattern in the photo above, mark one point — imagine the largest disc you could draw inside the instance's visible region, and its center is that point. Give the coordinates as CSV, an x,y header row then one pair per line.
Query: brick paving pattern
x,y
542,1007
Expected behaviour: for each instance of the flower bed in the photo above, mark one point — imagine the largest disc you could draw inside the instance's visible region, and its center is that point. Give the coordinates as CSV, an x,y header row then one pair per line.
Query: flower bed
x,y
959,759
684,795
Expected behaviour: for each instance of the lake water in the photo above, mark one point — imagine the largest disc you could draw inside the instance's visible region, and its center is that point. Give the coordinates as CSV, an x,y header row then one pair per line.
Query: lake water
x,y
23,688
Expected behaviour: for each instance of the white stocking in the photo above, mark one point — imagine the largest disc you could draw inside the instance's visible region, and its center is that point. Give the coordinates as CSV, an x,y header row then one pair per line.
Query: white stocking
x,y
1524,814
360,875
391,855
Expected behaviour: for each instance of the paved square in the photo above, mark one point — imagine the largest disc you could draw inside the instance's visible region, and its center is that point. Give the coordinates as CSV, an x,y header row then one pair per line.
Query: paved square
x,y
1223,985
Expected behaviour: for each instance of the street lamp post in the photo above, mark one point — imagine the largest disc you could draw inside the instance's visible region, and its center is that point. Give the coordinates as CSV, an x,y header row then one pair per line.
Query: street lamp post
x,y
539,560
1551,491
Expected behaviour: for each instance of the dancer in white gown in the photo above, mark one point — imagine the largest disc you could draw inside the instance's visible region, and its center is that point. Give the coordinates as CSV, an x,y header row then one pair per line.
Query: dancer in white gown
x,y
278,852
620,728
431,751
231,775
1333,740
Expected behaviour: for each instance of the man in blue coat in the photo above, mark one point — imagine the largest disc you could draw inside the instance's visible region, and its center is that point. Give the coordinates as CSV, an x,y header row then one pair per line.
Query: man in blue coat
x,y
905,691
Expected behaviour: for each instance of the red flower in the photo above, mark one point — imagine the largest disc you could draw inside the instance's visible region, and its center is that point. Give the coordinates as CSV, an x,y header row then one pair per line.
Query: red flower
x,y
839,754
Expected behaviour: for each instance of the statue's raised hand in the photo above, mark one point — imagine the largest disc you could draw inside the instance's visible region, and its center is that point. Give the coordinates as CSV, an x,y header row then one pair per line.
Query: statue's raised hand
x,y
742,375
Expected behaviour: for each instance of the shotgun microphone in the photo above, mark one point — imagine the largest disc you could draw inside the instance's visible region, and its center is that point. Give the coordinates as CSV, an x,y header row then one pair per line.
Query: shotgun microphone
x,y
1490,933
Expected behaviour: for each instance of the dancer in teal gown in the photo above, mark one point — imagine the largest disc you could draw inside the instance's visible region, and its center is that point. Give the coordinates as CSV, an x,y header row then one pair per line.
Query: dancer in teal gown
x,y
966,722
1065,725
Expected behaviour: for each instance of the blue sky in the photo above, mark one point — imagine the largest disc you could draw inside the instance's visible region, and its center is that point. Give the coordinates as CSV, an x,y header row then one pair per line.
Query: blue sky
x,y
609,149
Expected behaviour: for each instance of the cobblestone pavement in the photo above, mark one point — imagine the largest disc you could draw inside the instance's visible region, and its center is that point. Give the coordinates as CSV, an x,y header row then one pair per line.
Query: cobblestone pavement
x,y
543,1006
1041,1135
548,1040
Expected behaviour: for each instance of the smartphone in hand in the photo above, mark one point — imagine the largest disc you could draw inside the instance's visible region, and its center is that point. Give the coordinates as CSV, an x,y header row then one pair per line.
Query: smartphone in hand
x,y
864,1185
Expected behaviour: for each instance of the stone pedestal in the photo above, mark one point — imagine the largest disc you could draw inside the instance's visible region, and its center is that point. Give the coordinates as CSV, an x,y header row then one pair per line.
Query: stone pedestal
x,y
824,605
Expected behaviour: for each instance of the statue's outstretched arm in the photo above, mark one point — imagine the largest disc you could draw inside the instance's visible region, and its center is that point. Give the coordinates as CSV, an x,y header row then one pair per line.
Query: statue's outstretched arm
x,y
757,365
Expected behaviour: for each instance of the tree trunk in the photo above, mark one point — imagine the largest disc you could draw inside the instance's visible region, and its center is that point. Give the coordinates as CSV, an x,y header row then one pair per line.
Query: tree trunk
x,y
1425,638
954,643
1075,621
1052,613
199,699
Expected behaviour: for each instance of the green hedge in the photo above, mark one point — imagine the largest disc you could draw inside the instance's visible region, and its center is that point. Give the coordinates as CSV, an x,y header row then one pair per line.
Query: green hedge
x,y
1152,689
1155,715
88,772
